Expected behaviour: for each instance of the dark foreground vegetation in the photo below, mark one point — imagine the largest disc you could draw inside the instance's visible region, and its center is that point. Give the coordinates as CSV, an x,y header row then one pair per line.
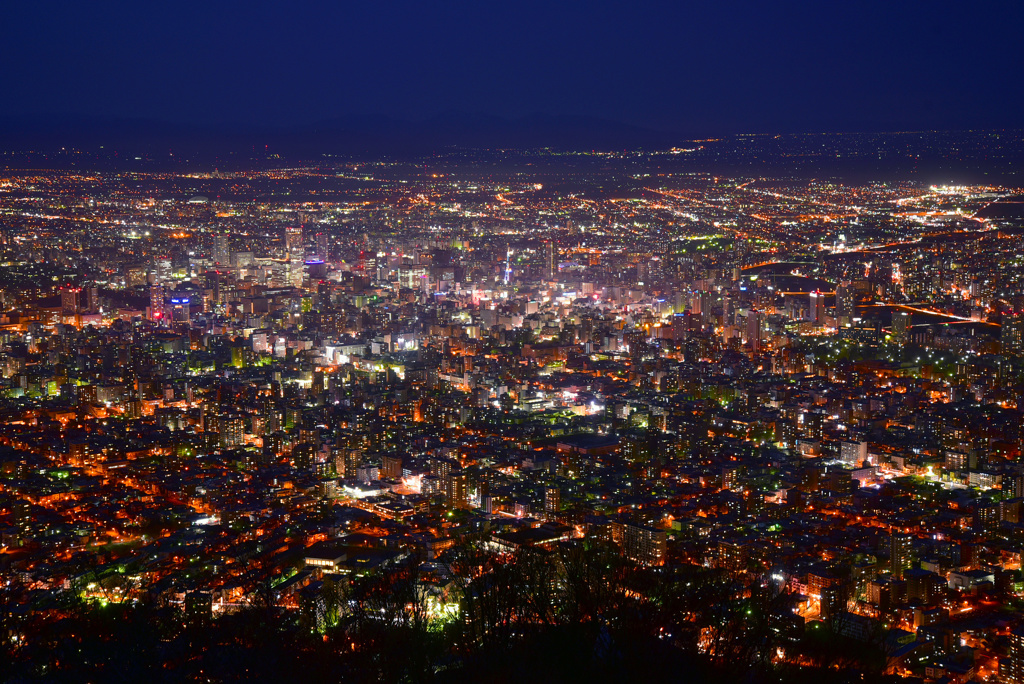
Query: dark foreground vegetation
x,y
577,613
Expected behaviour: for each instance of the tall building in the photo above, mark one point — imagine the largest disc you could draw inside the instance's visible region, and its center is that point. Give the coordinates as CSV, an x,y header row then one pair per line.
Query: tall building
x,y
92,299
680,328
163,270
754,333
636,343
221,249
456,489
901,550
180,310
232,431
293,238
244,259
323,248
844,304
391,466
353,458
655,270
1013,485
852,454
156,302
700,304
1011,336
69,300
644,544
295,271
832,601
552,500
901,327
1011,668
817,307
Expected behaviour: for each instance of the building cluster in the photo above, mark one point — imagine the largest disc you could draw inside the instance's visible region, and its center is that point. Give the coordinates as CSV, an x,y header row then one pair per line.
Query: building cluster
x,y
813,385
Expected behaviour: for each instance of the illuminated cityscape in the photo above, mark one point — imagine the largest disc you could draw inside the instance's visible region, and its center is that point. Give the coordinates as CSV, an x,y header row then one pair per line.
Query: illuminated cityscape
x,y
458,342
382,385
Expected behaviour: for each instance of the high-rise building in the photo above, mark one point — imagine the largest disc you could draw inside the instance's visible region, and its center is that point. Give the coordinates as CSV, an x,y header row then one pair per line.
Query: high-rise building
x,y
644,544
901,550
180,310
552,500
636,343
92,299
391,466
323,248
456,489
293,238
221,249
232,430
1011,668
700,304
731,477
655,270
1013,485
728,310
679,326
163,270
853,454
1011,336
242,259
295,271
69,300
901,327
353,458
156,302
844,304
316,269
817,307
754,331
832,601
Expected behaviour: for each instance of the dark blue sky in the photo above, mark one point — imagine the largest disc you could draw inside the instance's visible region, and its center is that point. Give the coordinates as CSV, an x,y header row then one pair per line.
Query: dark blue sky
x,y
697,67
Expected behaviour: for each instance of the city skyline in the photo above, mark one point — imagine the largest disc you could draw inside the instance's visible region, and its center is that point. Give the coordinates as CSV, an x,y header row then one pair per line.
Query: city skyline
x,y
467,342
445,416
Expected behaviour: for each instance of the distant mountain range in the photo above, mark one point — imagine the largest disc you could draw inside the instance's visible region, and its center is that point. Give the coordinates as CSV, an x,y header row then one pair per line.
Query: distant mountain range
x,y
355,134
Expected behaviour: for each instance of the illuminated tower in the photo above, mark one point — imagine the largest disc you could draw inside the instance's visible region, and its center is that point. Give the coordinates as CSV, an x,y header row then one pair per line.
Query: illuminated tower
x,y
156,302
1011,668
901,327
180,310
844,304
163,270
323,248
92,299
754,330
552,501
817,313
1011,336
69,300
456,489
293,238
295,269
221,249
901,549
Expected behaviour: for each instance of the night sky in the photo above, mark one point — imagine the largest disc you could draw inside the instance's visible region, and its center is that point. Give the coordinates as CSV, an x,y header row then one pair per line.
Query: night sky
x,y
693,67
